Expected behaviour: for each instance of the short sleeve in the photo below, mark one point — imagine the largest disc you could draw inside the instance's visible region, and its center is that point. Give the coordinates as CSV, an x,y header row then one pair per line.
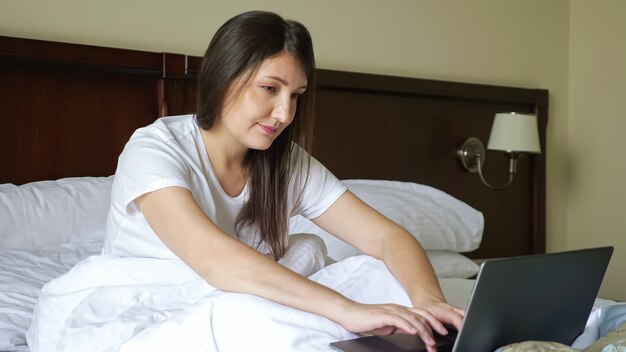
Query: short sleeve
x,y
149,163
320,190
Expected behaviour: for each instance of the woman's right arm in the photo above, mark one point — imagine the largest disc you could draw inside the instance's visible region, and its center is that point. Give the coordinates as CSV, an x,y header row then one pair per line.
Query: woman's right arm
x,y
230,265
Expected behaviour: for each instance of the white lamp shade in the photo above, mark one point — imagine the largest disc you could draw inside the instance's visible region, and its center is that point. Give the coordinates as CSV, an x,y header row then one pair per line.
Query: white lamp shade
x,y
514,132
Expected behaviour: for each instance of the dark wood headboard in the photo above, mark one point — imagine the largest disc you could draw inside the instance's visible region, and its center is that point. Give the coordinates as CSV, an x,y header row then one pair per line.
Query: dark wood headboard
x,y
67,110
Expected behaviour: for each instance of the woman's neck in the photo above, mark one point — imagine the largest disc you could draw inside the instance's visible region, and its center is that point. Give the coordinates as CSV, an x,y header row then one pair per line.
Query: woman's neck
x,y
227,160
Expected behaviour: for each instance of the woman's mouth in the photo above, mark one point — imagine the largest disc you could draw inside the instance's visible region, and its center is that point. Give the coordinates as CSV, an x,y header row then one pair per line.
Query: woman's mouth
x,y
269,129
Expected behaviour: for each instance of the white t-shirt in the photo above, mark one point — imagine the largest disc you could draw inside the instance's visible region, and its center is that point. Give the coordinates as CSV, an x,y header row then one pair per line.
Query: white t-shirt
x,y
171,152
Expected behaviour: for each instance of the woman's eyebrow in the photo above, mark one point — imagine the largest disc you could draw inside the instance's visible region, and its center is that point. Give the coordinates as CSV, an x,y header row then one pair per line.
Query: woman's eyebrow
x,y
284,82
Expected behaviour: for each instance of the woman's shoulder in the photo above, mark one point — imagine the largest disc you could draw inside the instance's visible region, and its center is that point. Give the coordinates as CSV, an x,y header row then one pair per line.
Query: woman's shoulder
x,y
299,155
168,128
170,137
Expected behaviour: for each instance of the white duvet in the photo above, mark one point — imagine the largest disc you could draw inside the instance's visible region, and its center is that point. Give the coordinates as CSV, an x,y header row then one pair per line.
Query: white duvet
x,y
163,303
131,304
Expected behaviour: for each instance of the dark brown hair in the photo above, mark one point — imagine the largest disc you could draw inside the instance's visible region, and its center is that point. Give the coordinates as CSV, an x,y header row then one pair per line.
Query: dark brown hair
x,y
237,49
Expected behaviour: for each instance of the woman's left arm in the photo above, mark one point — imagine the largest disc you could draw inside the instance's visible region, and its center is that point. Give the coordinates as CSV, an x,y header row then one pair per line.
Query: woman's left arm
x,y
356,223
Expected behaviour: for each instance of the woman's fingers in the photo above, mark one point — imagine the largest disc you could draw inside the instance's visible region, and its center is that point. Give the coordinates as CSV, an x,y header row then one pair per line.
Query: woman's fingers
x,y
386,319
405,320
433,321
445,313
452,315
459,311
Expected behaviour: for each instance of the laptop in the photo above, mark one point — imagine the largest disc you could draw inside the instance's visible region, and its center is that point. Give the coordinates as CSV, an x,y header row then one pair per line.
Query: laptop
x,y
542,297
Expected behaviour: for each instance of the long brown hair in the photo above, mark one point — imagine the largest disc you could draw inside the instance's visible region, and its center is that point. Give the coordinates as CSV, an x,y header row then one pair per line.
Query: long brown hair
x,y
237,49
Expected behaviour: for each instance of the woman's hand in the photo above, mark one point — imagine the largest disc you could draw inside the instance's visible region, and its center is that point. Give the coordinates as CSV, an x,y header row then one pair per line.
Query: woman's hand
x,y
444,312
387,319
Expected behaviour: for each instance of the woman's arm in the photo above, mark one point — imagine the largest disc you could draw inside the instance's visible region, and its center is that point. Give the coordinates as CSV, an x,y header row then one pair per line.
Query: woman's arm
x,y
353,221
230,265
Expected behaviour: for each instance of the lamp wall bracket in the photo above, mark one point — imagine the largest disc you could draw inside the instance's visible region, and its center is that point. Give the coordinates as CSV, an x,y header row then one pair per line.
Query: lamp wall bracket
x,y
471,152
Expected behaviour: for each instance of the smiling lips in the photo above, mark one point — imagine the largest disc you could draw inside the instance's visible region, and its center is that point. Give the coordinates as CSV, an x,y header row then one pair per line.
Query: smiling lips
x,y
269,129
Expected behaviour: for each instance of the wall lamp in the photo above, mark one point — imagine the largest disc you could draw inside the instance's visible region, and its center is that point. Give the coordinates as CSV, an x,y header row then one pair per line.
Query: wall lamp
x,y
515,134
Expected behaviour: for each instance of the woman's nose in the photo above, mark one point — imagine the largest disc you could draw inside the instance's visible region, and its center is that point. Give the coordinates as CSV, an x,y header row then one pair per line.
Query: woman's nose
x,y
279,113
283,111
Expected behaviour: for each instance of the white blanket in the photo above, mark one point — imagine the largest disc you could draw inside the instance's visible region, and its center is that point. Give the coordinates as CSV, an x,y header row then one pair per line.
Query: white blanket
x,y
130,304
111,304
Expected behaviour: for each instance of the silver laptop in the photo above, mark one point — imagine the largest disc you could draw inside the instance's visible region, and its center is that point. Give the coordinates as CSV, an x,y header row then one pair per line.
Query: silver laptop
x,y
544,297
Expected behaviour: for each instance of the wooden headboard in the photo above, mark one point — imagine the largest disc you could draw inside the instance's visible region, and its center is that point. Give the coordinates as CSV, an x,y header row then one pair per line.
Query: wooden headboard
x,y
67,110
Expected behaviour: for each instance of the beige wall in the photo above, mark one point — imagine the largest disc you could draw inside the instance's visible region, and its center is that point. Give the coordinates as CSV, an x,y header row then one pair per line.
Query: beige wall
x,y
516,43
597,133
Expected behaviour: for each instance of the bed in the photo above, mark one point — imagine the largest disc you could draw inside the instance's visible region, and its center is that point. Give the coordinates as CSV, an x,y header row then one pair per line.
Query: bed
x,y
66,111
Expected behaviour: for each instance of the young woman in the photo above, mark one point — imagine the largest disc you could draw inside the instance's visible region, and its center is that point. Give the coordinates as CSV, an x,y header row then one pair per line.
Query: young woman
x,y
216,189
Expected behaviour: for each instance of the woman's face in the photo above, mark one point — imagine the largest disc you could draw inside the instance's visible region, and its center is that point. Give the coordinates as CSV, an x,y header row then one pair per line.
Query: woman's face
x,y
256,112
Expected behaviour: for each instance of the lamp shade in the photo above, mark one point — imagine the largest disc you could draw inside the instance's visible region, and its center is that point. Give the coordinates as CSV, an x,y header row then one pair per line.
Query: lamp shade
x,y
514,132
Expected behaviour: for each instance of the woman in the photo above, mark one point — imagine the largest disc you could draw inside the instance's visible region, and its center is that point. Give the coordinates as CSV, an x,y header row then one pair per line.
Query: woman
x,y
216,189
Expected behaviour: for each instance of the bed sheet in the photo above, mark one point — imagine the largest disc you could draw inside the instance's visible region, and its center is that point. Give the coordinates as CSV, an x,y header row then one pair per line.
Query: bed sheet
x,y
23,273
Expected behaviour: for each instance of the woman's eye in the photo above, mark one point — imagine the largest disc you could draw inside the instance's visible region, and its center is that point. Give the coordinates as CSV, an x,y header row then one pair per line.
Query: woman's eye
x,y
270,89
296,96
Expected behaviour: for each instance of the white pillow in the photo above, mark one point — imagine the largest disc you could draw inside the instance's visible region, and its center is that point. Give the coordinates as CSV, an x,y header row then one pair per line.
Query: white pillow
x,y
51,213
452,265
436,219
